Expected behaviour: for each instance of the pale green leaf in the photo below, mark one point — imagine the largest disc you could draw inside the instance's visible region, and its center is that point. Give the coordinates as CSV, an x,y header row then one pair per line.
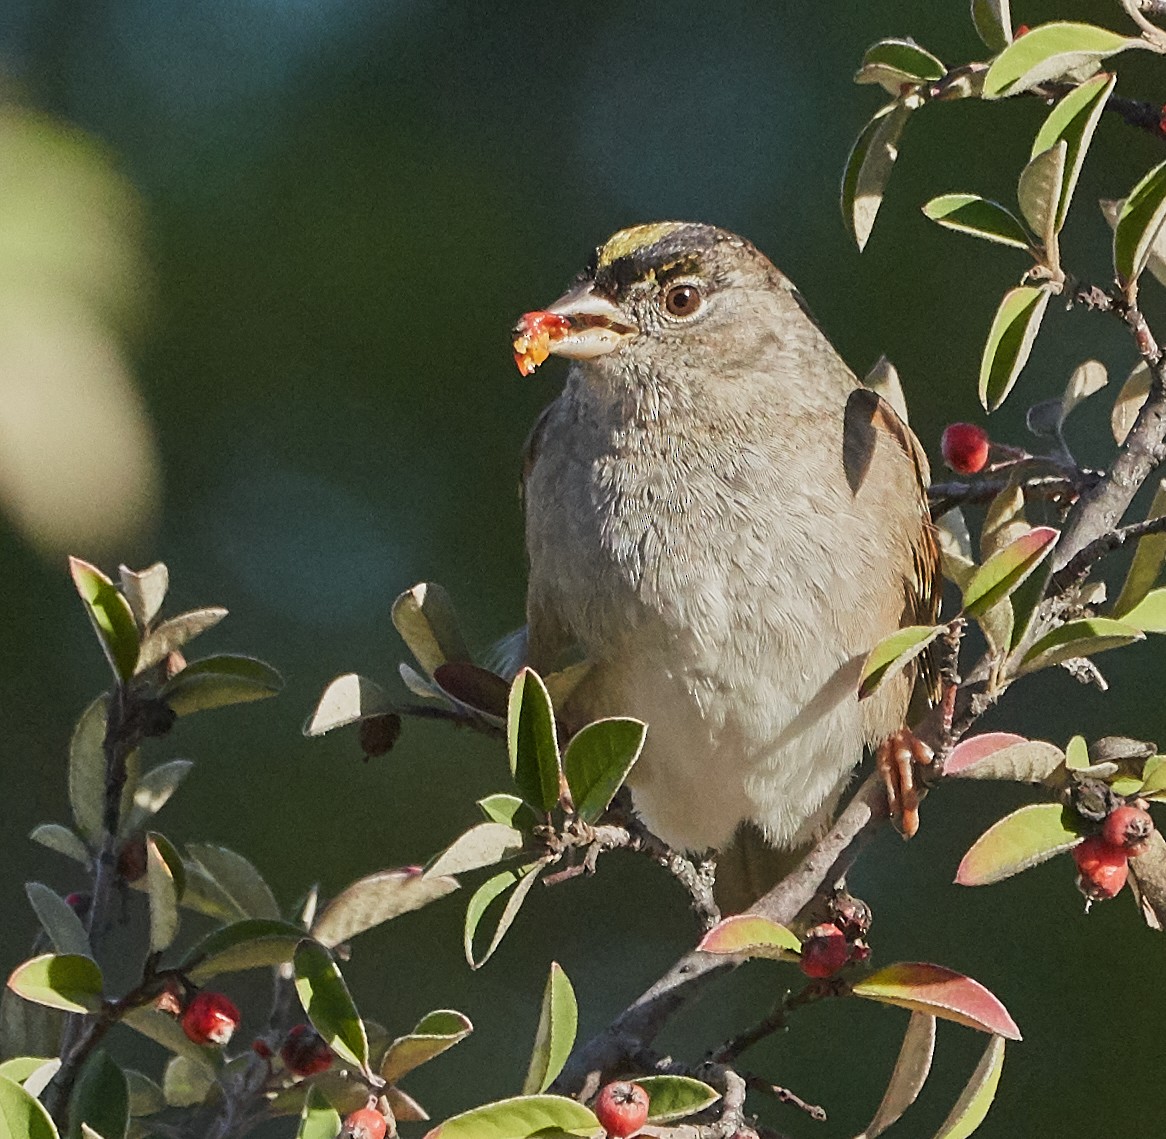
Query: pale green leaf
x,y
319,1119
519,1118
893,62
1059,50
482,845
59,919
1010,340
892,654
1021,840
153,791
377,898
248,944
521,880
87,772
433,1035
1005,570
145,590
1040,190
425,618
62,840
110,615
972,1107
598,760
325,998
1138,222
993,23
909,1075
752,936
869,167
555,1037
237,878
218,681
68,981
969,213
21,1115
347,700
1149,614
676,1097
171,635
1081,638
164,886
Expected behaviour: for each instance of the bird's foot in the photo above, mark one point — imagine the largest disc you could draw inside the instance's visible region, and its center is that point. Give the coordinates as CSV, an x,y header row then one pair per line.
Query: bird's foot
x,y
897,758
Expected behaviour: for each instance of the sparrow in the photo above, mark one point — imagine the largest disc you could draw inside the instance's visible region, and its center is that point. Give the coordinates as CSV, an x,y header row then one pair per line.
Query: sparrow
x,y
721,521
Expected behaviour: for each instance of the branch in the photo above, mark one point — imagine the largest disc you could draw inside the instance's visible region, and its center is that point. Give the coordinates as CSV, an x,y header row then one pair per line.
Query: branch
x,y
1075,569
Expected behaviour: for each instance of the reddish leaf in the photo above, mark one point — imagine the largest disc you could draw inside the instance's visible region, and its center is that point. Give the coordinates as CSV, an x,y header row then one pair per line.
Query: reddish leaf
x,y
941,992
1002,755
975,748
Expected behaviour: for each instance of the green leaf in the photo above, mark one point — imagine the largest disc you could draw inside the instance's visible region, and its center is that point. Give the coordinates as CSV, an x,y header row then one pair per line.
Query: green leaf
x,y
87,772
19,1068
110,615
598,761
248,944
164,1029
532,745
891,63
1051,51
36,1082
909,1075
425,618
1002,755
972,1107
941,992
68,981
892,654
185,1082
869,167
521,880
347,700
28,1029
675,1097
146,1097
557,1023
519,1118
1149,614
237,878
1073,121
59,919
1039,193
1004,571
1025,600
993,23
153,792
164,878
404,1107
144,590
508,809
1021,840
1138,223
434,1034
171,635
969,213
483,845
1010,340
101,1099
326,1000
1146,566
62,840
752,936
218,681
22,1116
378,898
1077,754
1087,379
319,1119
1082,638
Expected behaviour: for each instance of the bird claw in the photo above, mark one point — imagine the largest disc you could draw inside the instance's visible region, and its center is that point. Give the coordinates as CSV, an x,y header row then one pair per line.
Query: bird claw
x,y
896,758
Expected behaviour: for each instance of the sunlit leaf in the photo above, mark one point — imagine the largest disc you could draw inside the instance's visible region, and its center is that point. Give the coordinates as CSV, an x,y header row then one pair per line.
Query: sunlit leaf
x,y
59,919
1138,222
1077,754
1005,570
955,548
751,936
325,998
1023,839
1051,51
237,878
433,1035
519,1118
218,681
891,63
509,810
404,1107
676,1097
171,635
883,378
163,885
347,700
969,213
1040,190
19,1068
248,944
972,1107
21,1115
62,840
1004,520
425,618
892,654
1146,565
377,898
1010,341
521,880
165,1030
1081,638
110,615
910,1074
145,590
941,992
532,744
555,1036
598,760
153,792
1002,755
101,1098
68,981
482,845
868,168
319,1119
993,23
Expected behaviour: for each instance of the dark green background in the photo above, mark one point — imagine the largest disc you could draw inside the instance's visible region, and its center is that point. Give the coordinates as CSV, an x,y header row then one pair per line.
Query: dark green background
x,y
348,203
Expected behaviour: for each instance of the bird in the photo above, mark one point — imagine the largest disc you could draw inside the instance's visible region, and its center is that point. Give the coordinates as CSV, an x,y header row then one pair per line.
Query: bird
x,y
721,522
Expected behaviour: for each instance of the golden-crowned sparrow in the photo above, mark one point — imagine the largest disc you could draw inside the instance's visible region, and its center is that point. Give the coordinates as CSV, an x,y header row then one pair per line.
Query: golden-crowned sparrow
x,y
723,521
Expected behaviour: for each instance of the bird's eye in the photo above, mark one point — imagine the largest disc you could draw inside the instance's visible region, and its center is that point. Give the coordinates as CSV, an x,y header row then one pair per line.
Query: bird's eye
x,y
683,300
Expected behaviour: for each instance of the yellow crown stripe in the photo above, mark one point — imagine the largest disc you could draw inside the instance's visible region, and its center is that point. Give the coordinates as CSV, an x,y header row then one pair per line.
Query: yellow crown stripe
x,y
628,241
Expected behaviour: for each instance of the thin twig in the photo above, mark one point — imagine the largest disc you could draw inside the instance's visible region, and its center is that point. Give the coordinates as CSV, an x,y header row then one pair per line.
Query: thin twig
x,y
1075,570
785,1095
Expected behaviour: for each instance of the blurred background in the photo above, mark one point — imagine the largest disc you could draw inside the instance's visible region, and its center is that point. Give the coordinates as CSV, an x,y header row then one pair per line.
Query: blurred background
x,y
258,264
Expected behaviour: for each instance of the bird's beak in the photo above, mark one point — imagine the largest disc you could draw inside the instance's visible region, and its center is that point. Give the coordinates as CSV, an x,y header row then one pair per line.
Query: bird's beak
x,y
580,326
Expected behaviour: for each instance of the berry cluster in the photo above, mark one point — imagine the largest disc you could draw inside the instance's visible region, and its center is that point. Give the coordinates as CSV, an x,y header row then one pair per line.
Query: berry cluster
x,y
828,947
1103,858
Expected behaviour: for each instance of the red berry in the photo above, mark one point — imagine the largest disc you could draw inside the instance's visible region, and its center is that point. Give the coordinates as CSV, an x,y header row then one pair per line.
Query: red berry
x,y
824,951
1103,868
964,447
304,1051
367,1123
1129,829
210,1018
621,1108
